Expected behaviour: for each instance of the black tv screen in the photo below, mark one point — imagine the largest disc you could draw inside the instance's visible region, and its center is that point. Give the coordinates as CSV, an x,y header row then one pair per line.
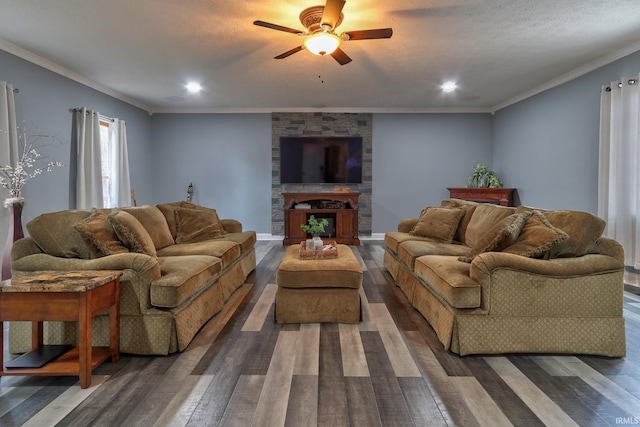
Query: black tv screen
x,y
324,159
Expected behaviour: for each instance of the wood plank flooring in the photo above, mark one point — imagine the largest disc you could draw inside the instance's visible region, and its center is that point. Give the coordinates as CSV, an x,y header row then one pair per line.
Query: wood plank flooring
x,y
242,369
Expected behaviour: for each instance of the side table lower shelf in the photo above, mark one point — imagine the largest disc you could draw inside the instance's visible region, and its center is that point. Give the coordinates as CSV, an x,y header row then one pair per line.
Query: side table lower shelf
x,y
65,365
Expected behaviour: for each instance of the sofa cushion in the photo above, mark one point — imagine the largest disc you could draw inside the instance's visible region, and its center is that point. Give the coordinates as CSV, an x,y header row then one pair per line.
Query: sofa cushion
x,y
54,234
392,239
99,234
246,240
197,225
537,237
182,278
484,217
131,232
409,250
228,251
449,279
500,236
154,222
438,223
469,207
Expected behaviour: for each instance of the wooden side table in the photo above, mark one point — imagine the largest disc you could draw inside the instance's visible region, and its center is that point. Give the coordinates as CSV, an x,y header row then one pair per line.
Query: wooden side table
x,y
62,296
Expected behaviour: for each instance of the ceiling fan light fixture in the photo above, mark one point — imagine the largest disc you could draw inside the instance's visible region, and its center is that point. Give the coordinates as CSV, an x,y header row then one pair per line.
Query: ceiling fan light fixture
x,y
322,43
449,87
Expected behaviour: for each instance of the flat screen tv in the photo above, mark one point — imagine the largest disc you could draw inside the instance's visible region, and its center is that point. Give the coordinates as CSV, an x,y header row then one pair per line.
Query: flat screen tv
x,y
314,160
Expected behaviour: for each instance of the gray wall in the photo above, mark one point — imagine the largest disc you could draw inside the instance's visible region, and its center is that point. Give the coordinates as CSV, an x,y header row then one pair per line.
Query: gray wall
x,y
417,156
44,101
227,157
547,145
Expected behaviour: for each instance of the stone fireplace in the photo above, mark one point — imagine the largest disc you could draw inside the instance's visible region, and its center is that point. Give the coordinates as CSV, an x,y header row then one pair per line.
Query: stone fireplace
x,y
321,124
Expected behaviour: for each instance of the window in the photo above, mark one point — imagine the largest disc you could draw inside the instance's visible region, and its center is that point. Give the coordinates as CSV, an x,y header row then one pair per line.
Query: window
x,y
106,163
99,161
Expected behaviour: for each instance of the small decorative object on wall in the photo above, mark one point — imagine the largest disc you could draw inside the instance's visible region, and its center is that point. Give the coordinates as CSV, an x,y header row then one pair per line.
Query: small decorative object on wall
x,y
29,165
190,192
482,177
315,227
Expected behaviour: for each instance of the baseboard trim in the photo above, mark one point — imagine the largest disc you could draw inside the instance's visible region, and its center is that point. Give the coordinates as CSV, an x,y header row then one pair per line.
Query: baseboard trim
x,y
373,236
267,236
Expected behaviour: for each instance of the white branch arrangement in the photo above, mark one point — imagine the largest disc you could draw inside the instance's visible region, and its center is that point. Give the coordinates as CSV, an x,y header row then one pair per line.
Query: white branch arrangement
x,y
30,165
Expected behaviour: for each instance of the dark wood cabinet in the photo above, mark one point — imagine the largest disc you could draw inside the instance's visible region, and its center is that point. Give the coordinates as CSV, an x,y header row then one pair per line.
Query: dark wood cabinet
x,y
340,209
501,196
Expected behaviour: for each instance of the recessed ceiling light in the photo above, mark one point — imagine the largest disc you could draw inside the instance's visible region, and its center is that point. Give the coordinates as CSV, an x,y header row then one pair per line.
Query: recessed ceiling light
x,y
449,87
194,87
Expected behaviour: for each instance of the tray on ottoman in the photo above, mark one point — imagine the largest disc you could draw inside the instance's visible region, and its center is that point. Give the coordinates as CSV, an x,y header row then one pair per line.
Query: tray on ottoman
x,y
323,254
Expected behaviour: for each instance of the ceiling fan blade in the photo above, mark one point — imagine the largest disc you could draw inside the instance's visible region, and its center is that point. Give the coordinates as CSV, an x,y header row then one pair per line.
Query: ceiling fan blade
x,y
340,56
277,27
289,52
332,11
380,33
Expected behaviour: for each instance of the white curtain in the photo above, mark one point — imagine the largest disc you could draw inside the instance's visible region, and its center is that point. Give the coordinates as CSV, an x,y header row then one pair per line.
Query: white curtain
x,y
619,168
8,129
120,188
8,146
85,163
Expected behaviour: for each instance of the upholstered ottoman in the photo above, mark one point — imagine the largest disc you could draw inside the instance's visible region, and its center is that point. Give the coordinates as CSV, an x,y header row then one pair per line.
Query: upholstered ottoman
x,y
318,291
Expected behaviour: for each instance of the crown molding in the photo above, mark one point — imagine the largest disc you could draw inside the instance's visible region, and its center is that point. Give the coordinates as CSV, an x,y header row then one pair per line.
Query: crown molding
x,y
72,75
270,110
571,75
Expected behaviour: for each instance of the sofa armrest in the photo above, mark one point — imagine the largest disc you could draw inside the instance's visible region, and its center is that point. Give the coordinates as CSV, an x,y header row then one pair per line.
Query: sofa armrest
x,y
24,247
231,225
484,264
513,285
610,247
407,224
138,271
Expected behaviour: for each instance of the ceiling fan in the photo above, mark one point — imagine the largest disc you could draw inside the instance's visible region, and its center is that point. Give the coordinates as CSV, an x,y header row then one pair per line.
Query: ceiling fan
x,y
320,37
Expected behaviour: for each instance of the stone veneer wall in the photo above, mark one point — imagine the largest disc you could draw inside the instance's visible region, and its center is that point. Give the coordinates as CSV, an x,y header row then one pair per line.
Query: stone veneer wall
x,y
320,124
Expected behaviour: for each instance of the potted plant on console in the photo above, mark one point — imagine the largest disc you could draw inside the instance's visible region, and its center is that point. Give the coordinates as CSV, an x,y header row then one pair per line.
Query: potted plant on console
x,y
315,227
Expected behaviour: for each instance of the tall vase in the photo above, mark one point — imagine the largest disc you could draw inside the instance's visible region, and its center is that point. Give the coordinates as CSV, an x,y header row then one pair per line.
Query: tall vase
x,y
317,242
15,233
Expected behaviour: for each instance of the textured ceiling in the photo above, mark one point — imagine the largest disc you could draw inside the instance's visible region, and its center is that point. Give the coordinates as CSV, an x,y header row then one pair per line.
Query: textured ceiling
x,y
144,51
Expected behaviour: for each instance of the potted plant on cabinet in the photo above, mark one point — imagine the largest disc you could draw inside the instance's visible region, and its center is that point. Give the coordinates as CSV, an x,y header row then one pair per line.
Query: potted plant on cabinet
x,y
482,177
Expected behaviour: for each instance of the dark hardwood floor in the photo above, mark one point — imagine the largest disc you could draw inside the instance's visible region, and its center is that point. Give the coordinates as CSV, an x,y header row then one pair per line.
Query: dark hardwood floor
x,y
243,369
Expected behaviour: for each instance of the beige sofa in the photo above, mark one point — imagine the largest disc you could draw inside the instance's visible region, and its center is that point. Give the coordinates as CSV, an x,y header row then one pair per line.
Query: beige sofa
x,y
180,264
492,279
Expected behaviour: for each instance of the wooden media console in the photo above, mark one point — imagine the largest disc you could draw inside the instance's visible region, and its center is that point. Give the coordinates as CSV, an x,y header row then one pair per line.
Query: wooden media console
x,y
340,209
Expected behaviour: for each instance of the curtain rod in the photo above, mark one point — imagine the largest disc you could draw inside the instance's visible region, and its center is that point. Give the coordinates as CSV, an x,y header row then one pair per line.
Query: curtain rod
x,y
16,90
101,116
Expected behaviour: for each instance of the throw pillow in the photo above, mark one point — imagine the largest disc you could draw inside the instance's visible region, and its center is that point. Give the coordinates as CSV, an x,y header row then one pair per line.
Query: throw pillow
x,y
469,207
152,219
503,234
438,223
537,237
583,229
210,210
99,234
131,232
197,225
